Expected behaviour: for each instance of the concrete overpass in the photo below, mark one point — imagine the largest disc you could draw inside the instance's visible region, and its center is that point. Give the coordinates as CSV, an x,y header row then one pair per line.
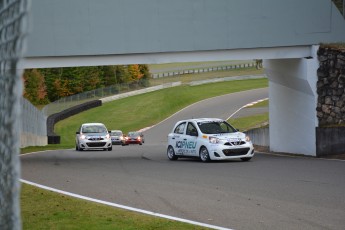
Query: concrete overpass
x,y
283,33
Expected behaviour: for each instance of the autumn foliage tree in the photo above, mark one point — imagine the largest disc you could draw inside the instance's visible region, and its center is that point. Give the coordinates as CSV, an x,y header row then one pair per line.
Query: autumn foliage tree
x,y
35,89
134,72
51,84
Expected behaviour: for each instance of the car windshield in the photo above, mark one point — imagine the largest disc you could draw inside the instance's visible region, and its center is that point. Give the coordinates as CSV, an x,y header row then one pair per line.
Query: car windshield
x,y
133,134
94,129
116,133
215,127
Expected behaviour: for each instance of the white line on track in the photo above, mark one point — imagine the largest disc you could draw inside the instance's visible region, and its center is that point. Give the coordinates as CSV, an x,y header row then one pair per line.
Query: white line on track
x,y
124,207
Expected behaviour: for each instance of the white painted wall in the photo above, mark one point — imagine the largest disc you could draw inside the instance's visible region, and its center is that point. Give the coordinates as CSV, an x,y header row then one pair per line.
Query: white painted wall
x,y
293,98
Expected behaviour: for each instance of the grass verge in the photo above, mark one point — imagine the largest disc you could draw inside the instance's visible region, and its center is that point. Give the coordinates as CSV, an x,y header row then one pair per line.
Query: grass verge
x,y
42,209
246,123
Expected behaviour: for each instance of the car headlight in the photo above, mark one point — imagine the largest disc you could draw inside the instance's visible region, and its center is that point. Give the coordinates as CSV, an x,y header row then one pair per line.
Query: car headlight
x,y
247,138
82,137
213,140
107,136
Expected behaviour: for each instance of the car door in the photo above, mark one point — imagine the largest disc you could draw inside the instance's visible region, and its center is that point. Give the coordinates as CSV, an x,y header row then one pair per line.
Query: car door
x,y
191,140
175,139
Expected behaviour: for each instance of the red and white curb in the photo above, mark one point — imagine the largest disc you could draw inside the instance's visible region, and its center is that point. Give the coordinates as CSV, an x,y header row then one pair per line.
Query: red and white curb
x,y
247,105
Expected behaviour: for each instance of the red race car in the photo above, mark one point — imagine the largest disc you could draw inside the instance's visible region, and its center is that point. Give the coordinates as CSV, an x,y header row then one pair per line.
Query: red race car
x,y
134,138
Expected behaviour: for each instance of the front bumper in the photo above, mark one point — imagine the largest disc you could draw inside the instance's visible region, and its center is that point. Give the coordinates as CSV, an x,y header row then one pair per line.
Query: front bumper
x,y
95,144
117,142
132,142
222,152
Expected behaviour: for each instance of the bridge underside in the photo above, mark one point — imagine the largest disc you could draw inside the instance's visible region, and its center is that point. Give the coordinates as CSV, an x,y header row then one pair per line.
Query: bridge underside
x,y
167,57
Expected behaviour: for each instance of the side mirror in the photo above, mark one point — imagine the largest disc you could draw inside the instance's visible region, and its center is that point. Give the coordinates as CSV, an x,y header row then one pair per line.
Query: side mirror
x,y
77,132
109,131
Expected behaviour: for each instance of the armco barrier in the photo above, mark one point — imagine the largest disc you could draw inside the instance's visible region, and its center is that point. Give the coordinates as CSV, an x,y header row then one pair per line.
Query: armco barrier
x,y
54,118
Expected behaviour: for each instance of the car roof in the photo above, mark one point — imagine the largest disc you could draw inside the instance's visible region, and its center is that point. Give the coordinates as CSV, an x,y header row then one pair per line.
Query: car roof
x,y
201,120
116,130
86,124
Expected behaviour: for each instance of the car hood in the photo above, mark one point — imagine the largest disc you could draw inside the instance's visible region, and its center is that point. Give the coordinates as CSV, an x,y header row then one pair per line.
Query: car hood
x,y
94,134
227,136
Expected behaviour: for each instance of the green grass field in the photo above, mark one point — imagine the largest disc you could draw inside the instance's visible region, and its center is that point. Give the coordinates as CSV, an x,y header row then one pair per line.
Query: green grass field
x,y
43,209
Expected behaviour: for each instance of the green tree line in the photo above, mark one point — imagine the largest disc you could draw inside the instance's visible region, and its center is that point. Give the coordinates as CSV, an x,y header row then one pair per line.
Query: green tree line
x,y
42,86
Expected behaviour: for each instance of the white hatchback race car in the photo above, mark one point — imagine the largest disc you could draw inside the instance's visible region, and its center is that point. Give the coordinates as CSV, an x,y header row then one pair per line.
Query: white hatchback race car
x,y
93,136
208,139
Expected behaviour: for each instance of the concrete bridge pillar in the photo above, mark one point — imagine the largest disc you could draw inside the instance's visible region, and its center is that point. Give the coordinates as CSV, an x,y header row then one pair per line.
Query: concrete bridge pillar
x,y
293,101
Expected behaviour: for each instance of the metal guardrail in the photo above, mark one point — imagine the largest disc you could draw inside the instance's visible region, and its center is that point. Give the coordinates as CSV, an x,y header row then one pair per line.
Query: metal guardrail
x,y
203,70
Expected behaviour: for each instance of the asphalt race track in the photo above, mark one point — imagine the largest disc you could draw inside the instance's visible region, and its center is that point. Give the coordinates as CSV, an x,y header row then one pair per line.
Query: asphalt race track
x,y
269,192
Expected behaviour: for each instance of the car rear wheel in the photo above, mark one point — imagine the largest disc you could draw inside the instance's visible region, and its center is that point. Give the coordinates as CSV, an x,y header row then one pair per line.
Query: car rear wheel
x,y
171,154
204,155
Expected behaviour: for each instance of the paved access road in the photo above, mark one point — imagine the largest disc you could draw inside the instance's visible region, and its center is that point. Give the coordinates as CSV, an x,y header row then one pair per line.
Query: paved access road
x,y
269,192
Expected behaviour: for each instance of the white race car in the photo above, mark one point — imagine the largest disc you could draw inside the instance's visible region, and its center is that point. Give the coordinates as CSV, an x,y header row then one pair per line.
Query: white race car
x,y
93,136
208,139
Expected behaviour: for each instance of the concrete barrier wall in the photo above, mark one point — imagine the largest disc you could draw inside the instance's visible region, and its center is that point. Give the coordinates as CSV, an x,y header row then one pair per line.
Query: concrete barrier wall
x,y
330,141
259,136
30,139
33,127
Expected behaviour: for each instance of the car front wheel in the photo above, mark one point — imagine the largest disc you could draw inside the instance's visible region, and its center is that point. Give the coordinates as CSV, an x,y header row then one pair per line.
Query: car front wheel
x,y
204,155
78,148
171,154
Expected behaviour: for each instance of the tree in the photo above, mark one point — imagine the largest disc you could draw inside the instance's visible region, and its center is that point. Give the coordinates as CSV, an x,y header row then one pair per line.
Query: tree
x,y
121,74
50,75
35,89
108,75
61,87
134,72
144,69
